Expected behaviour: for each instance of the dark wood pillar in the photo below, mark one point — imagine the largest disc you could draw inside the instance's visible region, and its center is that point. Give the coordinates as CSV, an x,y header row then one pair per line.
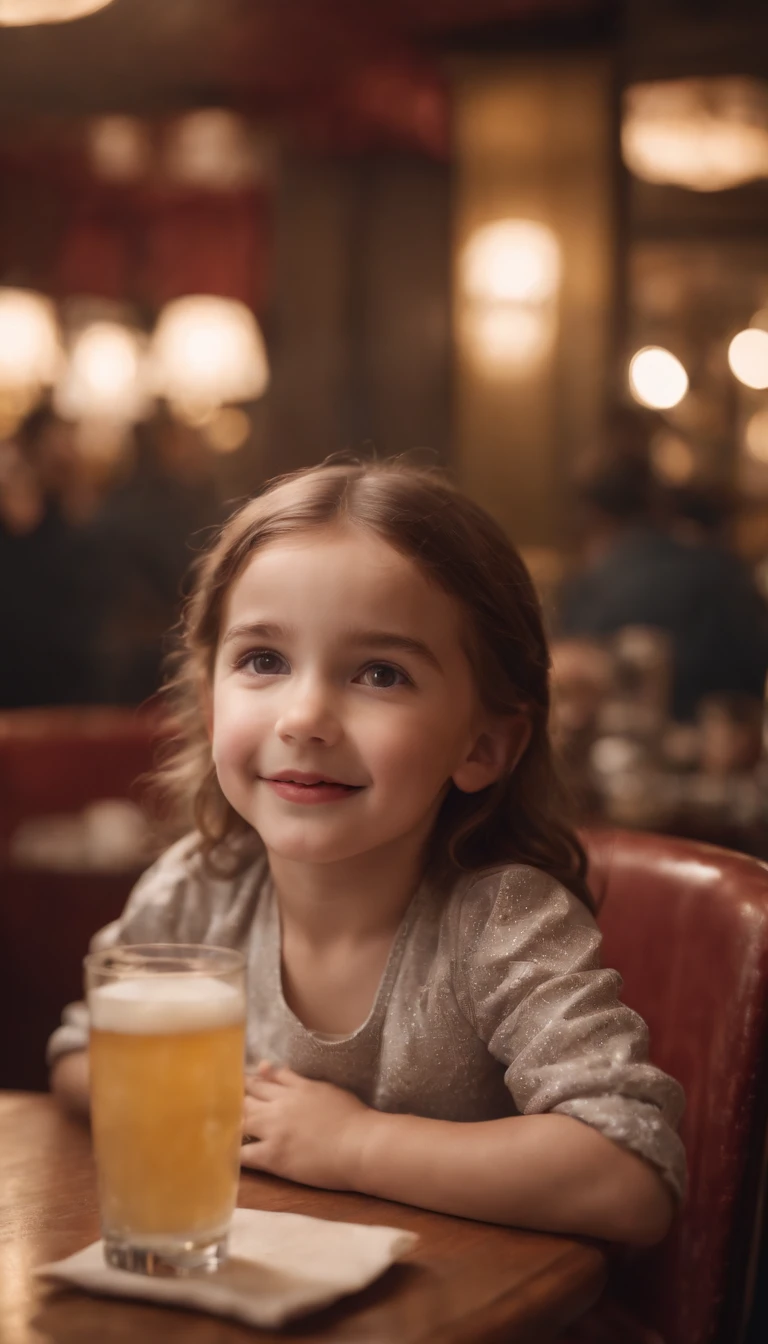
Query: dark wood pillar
x,y
535,140
360,323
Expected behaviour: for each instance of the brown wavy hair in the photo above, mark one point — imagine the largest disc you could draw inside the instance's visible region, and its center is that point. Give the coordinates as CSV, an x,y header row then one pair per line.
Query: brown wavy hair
x,y
457,545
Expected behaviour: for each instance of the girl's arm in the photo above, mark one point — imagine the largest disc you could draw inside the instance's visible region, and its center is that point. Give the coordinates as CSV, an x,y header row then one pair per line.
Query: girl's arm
x,y
549,1172
69,1082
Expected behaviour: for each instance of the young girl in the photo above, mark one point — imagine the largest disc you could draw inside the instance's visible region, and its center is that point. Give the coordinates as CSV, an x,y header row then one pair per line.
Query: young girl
x,y
364,710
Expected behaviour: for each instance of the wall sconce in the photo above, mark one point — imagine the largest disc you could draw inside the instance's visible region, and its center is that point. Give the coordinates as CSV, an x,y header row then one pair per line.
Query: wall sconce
x,y
510,279
207,351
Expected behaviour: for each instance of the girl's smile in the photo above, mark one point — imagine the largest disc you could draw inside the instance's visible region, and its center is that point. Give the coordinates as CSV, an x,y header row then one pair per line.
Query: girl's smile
x,y
296,787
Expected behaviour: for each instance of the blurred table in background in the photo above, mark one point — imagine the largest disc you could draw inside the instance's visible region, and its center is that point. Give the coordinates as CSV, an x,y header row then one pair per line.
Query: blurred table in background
x,y
626,763
58,760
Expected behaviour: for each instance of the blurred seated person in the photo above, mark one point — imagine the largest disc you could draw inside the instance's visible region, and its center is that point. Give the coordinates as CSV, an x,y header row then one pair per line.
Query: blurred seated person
x,y
697,513
639,568
146,533
45,616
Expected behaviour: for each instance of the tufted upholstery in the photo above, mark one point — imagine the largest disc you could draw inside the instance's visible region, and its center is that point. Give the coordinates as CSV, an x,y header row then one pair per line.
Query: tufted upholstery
x,y
687,926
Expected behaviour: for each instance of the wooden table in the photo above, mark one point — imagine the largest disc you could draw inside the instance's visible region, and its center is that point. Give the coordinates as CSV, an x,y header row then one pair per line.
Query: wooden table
x,y
466,1282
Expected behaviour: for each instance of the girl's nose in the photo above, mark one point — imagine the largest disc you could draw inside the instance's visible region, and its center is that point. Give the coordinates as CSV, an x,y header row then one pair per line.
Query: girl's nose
x,y
308,715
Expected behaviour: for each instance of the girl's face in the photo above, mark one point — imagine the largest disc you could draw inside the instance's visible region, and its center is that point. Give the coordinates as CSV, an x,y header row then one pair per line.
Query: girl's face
x,y
343,701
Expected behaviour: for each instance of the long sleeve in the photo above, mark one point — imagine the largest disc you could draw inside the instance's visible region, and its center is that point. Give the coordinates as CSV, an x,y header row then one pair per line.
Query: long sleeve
x,y
530,982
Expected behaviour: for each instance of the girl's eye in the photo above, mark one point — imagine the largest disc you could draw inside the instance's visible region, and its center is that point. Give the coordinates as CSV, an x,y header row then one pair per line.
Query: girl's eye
x,y
383,676
264,663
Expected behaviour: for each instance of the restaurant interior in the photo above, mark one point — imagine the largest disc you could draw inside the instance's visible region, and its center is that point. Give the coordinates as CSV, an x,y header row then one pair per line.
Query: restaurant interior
x,y
523,240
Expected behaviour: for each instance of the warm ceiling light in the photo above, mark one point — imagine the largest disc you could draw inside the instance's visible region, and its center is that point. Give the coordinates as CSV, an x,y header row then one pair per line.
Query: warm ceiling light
x,y
748,357
657,378
30,350
19,13
511,261
207,351
510,275
703,134
105,377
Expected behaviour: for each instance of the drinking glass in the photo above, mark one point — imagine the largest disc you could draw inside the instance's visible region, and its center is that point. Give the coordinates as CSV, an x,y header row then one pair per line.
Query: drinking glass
x,y
166,1053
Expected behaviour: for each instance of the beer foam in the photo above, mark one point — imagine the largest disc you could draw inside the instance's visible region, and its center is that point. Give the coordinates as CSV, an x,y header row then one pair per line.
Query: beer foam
x,y
153,1004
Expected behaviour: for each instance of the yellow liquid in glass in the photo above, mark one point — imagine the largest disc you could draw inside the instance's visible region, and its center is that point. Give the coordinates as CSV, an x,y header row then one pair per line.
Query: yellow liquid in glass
x,y
166,1112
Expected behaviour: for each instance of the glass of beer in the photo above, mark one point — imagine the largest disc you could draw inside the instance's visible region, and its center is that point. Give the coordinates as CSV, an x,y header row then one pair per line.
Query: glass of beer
x,y
167,1042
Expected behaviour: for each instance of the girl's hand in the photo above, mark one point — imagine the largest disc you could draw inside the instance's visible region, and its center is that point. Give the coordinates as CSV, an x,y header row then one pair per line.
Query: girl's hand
x,y
306,1131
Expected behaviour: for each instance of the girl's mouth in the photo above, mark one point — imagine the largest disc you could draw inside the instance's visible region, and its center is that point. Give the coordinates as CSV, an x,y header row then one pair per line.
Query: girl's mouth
x,y
318,791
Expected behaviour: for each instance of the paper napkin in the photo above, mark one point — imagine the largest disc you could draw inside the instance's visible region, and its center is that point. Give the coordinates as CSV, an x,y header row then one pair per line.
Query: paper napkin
x,y
280,1265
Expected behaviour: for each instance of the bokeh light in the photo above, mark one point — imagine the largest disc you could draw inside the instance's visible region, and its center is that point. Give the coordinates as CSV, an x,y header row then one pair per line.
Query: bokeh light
x,y
748,357
105,376
756,435
30,348
702,134
672,458
227,430
210,148
511,261
505,336
657,378
20,13
120,148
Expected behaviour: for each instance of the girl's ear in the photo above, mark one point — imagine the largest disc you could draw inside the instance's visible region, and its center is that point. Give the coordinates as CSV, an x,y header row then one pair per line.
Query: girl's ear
x,y
496,752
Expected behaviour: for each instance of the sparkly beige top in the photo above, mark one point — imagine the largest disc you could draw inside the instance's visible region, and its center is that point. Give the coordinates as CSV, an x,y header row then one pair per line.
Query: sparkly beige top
x,y
492,1003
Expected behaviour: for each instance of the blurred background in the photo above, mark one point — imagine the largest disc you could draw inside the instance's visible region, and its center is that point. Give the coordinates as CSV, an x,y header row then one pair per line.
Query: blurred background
x,y
527,238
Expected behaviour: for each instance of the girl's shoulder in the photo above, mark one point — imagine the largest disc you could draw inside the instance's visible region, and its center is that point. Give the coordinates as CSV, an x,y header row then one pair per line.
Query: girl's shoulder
x,y
181,860
186,861
183,897
515,892
516,914
182,863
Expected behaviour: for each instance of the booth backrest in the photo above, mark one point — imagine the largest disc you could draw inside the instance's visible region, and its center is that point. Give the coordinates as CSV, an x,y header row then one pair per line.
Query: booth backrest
x,y
59,760
687,927
52,762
